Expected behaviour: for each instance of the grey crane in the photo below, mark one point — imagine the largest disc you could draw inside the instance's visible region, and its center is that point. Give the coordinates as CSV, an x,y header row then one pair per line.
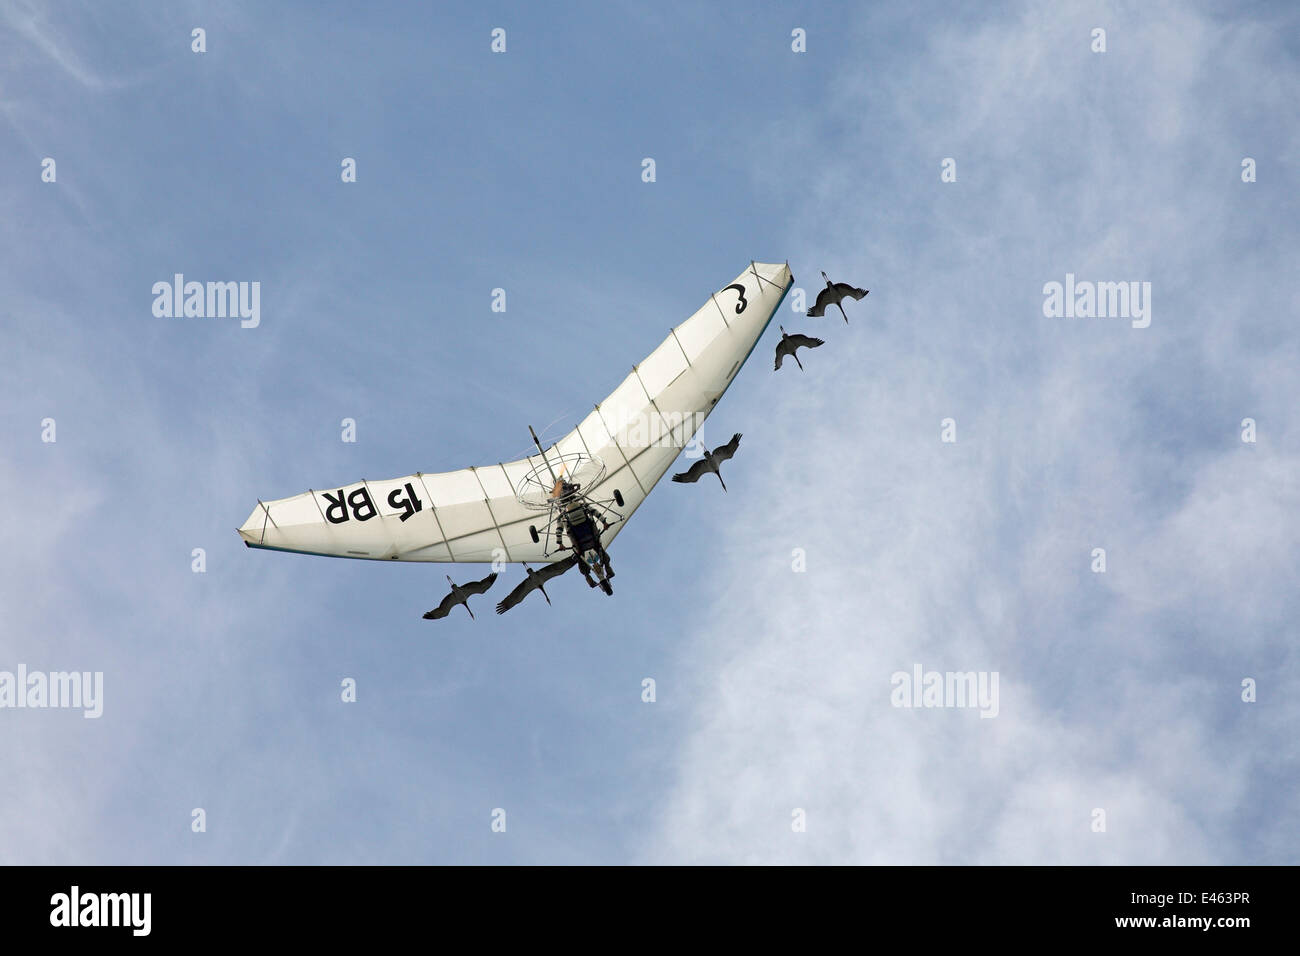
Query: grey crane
x,y
460,594
711,462
833,294
789,345
536,581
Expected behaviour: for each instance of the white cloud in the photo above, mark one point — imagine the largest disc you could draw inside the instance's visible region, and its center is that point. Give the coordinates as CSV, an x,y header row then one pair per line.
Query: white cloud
x,y
1117,691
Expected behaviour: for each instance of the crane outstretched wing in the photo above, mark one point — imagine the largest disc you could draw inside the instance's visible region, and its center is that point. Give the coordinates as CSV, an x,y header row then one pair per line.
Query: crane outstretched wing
x,y
804,342
825,298
480,587
473,515
521,590
443,609
692,473
556,569
530,583
724,452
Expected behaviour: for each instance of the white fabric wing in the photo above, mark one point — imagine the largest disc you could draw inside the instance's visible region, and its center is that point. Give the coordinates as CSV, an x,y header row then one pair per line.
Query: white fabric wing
x,y
473,515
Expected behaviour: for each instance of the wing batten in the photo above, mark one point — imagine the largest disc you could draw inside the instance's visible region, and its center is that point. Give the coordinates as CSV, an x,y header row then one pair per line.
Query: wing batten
x,y
753,268
614,440
433,506
655,405
673,332
488,501
720,311
465,516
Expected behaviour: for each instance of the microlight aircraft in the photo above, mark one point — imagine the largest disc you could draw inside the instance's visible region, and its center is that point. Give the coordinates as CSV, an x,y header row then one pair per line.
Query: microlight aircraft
x,y
571,499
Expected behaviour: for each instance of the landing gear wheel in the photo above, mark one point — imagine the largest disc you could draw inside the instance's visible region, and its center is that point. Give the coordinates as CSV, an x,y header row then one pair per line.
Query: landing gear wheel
x,y
532,533
618,497
607,588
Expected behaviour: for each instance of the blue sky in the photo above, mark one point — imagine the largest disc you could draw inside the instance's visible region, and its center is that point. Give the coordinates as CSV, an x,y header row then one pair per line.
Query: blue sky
x,y
522,170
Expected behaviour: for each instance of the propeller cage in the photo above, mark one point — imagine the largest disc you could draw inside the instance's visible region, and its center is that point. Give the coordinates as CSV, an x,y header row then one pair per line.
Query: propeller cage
x,y
536,490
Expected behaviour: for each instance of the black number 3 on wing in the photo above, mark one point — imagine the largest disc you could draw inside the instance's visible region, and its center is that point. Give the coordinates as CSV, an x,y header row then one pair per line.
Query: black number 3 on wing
x,y
740,290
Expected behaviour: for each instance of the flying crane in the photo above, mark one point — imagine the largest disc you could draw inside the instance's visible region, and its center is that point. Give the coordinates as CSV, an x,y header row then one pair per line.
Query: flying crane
x,y
834,294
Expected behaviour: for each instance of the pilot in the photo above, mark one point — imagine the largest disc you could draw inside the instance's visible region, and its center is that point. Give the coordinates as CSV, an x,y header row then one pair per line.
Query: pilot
x,y
583,535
